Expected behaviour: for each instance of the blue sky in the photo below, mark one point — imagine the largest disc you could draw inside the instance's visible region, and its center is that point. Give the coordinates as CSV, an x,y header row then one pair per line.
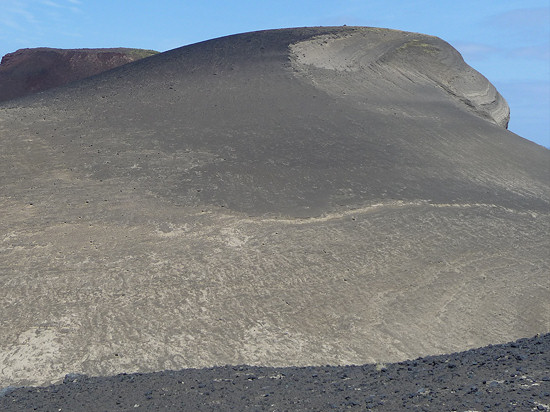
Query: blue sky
x,y
508,41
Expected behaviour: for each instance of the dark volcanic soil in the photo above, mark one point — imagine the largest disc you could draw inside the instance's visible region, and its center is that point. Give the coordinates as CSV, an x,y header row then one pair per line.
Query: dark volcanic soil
x,y
27,71
509,377
284,198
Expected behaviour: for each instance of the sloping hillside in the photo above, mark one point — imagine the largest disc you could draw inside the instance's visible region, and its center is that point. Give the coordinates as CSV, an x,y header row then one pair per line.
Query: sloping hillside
x,y
289,197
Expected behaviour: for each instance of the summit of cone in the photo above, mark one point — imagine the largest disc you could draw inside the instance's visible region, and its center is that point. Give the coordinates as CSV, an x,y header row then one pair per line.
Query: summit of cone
x,y
27,71
306,196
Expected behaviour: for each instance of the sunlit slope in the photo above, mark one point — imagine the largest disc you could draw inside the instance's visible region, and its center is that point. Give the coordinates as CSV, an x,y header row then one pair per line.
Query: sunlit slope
x,y
288,197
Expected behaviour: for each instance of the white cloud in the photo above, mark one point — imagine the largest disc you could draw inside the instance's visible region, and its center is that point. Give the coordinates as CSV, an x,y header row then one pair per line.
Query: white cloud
x,y
16,10
32,23
523,24
74,6
52,4
532,18
533,52
15,20
529,103
6,21
475,51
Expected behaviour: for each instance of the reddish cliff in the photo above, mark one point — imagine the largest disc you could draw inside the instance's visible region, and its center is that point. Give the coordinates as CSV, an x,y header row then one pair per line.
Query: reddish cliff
x,y
28,71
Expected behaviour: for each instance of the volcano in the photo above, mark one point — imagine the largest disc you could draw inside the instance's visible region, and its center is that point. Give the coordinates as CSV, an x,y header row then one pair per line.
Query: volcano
x,y
294,197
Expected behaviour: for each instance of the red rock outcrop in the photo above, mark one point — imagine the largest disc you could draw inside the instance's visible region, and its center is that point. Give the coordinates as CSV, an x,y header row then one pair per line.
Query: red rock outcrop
x,y
27,71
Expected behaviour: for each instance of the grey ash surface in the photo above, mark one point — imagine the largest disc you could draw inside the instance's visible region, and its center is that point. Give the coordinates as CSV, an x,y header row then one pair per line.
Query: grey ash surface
x,y
507,377
305,196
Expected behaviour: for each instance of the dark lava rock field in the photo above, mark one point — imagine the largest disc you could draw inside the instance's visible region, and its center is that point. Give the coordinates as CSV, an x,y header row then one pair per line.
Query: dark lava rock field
x,y
508,377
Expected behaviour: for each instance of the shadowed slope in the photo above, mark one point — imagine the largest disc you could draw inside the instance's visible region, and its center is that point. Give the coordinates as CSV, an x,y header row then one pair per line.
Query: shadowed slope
x,y
28,71
287,197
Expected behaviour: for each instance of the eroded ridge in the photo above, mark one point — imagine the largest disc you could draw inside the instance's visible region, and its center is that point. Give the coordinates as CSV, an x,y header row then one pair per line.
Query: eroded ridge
x,y
376,55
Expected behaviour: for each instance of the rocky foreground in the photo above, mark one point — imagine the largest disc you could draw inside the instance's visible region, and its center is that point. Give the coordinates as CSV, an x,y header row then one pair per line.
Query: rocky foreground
x,y
508,377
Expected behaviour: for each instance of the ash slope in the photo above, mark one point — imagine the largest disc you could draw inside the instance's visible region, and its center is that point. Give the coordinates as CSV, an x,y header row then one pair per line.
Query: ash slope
x,y
287,197
28,71
506,377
